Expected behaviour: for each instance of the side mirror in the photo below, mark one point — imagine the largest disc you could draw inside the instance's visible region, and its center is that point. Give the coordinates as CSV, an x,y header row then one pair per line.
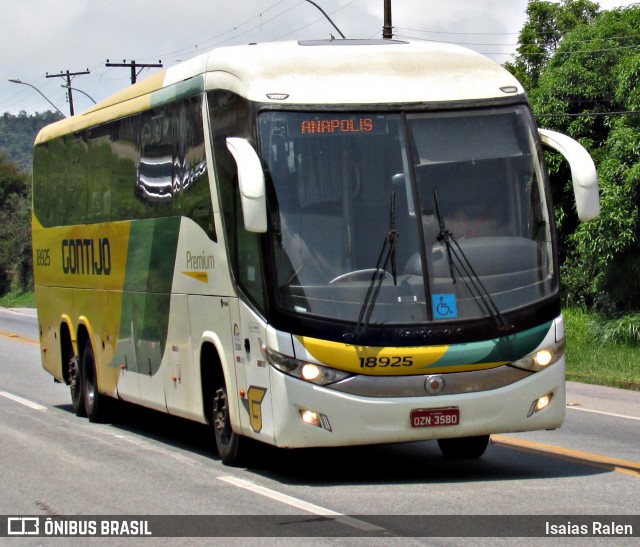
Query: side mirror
x,y
251,183
583,172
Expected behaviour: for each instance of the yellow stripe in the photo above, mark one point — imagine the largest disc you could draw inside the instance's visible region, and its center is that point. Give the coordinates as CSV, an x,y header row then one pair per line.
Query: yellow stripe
x,y
385,361
130,100
596,460
382,361
19,338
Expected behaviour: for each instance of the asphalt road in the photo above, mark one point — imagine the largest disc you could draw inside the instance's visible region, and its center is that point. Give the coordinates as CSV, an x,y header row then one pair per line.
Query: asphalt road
x,y
144,463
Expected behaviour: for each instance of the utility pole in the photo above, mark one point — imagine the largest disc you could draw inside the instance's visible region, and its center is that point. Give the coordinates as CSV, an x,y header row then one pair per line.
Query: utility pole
x,y
133,65
387,29
68,75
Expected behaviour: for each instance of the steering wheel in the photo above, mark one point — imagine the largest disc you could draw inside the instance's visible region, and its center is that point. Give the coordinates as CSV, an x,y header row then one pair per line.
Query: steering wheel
x,y
360,275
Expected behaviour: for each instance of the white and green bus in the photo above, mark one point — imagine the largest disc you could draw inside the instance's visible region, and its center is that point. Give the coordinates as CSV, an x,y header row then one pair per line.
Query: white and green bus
x,y
315,243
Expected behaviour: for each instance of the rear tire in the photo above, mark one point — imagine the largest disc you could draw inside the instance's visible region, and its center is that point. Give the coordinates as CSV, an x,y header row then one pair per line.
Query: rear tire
x,y
75,386
228,442
464,448
94,403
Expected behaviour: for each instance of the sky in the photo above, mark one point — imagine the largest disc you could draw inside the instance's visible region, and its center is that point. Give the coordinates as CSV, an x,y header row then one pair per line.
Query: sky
x,y
41,37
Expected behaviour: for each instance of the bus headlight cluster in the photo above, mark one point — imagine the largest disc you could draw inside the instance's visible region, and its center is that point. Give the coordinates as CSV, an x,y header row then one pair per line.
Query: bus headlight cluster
x,y
541,358
310,372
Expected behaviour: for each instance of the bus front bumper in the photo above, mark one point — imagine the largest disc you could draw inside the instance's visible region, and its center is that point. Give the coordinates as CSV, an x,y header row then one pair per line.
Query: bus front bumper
x,y
306,415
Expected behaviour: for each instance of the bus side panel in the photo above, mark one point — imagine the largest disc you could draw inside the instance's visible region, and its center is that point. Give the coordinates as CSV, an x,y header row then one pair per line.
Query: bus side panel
x,y
179,371
50,301
252,375
211,322
79,273
94,308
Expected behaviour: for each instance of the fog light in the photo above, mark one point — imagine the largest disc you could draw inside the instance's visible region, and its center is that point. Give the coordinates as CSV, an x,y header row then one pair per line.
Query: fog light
x,y
310,417
540,404
543,402
315,418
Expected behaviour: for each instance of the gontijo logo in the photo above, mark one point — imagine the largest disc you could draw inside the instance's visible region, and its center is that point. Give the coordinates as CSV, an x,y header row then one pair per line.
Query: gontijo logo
x,y
86,256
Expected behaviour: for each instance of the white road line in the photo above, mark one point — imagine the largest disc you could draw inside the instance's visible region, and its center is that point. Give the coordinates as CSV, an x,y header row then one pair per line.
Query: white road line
x,y
25,402
603,413
300,504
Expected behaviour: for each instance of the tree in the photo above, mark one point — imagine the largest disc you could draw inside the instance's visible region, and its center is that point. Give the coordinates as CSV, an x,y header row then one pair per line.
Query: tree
x,y
16,258
17,134
547,23
589,89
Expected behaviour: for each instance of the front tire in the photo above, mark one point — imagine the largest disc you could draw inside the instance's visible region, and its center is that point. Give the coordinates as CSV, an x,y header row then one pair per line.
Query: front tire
x,y
228,441
464,448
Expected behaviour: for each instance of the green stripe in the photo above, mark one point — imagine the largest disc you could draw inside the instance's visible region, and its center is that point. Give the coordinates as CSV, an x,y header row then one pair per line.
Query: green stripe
x,y
175,92
146,295
504,349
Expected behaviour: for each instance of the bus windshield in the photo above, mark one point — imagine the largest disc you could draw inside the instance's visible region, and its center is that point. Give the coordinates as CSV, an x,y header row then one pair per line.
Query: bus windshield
x,y
427,216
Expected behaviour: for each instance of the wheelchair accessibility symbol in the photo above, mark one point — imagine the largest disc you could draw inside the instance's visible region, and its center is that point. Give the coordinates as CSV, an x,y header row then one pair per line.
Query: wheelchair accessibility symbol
x,y
444,306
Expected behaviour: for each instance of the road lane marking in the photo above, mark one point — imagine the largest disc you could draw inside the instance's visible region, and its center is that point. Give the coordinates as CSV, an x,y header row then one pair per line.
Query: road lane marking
x,y
300,504
604,413
577,456
19,338
25,402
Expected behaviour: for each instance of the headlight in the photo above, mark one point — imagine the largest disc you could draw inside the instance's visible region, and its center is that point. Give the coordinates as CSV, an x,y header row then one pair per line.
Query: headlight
x,y
542,358
310,372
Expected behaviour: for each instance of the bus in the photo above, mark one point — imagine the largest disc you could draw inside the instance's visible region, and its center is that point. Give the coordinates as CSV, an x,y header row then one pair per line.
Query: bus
x,y
309,244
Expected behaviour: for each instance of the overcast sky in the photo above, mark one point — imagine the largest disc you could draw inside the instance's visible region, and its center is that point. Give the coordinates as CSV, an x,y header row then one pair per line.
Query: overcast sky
x,y
53,36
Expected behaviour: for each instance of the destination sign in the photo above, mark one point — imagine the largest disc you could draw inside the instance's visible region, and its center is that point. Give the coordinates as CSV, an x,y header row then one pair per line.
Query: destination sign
x,y
332,124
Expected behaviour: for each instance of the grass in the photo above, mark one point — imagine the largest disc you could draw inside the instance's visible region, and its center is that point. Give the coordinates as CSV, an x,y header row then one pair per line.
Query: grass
x,y
593,358
596,353
18,299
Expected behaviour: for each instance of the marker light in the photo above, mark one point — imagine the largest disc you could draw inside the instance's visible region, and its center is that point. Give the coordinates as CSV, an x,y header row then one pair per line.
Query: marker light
x,y
541,358
310,372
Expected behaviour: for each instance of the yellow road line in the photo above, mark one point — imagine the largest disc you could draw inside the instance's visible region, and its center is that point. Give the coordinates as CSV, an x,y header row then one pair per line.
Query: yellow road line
x,y
19,338
587,458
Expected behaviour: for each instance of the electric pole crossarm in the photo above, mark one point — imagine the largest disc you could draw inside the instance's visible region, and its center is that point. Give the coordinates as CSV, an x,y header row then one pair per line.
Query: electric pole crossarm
x,y
68,75
133,65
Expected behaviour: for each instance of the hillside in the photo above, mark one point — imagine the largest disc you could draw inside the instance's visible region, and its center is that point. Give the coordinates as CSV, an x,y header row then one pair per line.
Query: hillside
x,y
17,134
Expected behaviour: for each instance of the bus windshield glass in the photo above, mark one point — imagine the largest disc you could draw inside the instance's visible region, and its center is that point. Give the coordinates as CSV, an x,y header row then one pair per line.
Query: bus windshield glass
x,y
441,216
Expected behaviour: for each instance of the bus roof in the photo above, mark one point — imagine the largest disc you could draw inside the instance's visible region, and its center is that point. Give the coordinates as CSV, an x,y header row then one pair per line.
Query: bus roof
x,y
322,72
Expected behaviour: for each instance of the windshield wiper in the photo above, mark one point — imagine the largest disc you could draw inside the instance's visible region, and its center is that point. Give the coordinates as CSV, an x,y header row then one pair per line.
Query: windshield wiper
x,y
459,262
387,254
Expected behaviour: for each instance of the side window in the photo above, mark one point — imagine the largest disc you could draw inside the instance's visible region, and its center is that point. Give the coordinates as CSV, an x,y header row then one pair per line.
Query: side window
x,y
230,117
100,166
148,165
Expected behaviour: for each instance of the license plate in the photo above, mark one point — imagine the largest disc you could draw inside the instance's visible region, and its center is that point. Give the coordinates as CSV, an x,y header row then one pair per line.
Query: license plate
x,y
435,417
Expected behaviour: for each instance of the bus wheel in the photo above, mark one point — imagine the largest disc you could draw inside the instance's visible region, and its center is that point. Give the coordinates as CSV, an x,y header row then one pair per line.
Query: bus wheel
x,y
227,440
94,403
75,385
464,448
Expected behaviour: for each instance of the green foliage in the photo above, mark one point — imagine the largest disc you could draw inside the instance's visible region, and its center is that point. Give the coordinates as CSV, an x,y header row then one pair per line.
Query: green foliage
x,y
623,330
17,134
16,258
547,23
613,362
18,299
588,88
